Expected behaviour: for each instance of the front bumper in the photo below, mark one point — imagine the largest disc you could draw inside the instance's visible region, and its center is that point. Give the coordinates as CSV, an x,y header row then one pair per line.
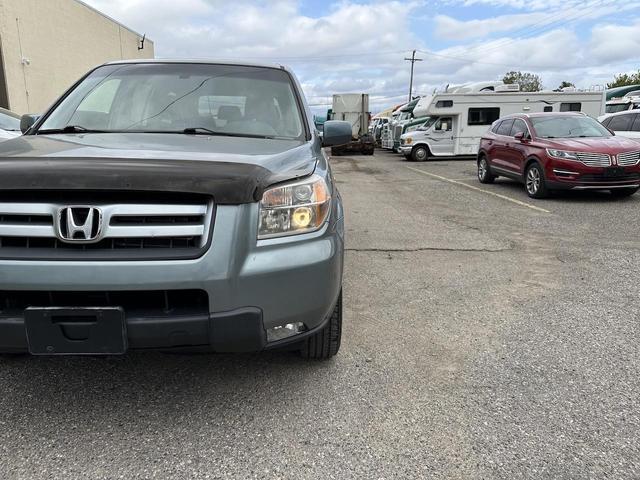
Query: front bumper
x,y
252,286
567,175
405,149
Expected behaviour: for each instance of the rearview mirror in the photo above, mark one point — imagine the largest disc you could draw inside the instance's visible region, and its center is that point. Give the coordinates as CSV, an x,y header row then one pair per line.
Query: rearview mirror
x,y
520,136
336,132
27,120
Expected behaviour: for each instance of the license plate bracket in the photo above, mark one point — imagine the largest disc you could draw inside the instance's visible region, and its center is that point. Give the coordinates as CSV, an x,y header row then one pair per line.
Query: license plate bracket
x,y
613,172
75,330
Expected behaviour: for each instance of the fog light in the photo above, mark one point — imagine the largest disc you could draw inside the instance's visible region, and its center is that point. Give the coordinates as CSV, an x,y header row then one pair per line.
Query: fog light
x,y
285,331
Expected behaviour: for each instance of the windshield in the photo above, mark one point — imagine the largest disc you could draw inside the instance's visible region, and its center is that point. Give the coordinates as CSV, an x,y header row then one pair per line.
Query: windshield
x,y
8,122
172,97
616,107
430,121
568,126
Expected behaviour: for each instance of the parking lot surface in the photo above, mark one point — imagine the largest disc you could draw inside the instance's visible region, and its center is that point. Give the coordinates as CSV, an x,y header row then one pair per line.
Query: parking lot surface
x,y
487,335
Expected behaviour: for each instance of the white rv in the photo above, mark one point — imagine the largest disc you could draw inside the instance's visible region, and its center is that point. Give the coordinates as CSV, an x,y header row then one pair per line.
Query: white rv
x,y
454,122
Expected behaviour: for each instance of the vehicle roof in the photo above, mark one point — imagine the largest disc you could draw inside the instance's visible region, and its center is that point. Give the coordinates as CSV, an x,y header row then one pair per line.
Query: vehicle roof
x,y
544,114
624,112
198,61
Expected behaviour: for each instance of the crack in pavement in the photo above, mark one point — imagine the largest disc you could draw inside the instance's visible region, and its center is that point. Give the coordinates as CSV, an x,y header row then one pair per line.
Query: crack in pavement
x,y
428,249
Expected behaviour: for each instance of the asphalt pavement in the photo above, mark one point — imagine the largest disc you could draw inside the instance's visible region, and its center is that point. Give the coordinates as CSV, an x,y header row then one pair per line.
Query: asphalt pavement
x,y
486,336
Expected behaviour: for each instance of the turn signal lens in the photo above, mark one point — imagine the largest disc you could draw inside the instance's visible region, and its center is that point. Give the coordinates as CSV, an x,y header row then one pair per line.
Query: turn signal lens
x,y
294,208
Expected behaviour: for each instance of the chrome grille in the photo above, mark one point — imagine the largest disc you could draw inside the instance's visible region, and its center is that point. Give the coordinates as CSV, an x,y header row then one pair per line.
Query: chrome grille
x,y
627,159
594,159
26,227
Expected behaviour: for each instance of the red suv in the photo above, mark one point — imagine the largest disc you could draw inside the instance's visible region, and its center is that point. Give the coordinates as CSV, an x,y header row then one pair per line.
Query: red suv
x,y
555,151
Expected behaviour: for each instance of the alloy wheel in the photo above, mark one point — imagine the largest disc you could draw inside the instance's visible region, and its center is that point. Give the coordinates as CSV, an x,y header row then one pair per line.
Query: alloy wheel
x,y
533,180
482,169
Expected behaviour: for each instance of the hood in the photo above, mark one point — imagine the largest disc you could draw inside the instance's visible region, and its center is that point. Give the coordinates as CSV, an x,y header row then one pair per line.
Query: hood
x,y
610,145
232,169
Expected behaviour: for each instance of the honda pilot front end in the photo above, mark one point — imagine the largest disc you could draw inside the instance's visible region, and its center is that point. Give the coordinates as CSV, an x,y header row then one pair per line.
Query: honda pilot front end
x,y
172,205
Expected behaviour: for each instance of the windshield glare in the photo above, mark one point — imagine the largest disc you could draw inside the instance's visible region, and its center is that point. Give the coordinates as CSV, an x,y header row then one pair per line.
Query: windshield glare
x,y
573,126
232,99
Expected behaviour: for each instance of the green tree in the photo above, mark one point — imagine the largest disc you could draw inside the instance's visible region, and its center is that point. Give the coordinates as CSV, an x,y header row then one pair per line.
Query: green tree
x,y
624,79
529,82
566,84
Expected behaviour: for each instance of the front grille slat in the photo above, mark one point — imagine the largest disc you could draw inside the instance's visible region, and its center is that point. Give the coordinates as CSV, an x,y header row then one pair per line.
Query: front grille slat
x,y
628,159
159,227
594,159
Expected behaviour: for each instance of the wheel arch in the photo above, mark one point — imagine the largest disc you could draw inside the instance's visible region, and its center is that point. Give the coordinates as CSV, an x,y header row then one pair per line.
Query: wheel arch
x,y
531,159
422,144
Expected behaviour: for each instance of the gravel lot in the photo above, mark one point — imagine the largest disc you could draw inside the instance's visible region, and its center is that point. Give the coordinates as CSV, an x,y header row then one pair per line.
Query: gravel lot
x,y
483,339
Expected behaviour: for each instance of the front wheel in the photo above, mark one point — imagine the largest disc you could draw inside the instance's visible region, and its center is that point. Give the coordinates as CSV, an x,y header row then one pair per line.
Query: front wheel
x,y
420,154
326,343
623,192
535,183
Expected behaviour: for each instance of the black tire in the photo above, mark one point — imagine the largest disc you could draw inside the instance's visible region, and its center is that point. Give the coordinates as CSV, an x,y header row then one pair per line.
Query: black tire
x,y
407,156
420,154
369,151
326,343
484,171
623,192
534,182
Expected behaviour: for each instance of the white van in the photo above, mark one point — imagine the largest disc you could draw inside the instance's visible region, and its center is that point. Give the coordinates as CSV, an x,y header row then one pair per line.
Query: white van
x,y
456,121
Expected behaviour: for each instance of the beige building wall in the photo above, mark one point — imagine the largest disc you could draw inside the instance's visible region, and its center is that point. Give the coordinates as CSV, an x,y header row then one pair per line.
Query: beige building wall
x,y
46,45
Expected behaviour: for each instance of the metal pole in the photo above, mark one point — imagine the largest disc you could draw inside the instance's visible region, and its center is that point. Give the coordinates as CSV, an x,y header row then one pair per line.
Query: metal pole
x,y
413,60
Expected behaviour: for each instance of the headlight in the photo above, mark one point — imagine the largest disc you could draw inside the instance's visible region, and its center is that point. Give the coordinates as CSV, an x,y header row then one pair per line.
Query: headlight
x,y
408,140
294,208
563,154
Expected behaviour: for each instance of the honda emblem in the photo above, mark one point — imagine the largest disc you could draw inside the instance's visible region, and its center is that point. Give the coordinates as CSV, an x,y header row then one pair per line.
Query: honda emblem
x,y
79,224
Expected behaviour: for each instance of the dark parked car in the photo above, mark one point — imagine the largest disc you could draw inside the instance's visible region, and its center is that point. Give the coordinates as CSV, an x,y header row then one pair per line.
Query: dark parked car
x,y
556,151
172,204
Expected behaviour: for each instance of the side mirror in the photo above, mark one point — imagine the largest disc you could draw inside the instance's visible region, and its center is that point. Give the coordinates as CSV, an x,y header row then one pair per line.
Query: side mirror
x,y
520,136
336,132
27,120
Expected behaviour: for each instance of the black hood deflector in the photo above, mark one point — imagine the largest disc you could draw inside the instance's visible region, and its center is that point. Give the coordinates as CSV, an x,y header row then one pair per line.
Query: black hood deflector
x,y
227,182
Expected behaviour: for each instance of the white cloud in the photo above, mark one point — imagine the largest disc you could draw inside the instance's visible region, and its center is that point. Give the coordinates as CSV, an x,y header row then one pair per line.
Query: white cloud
x,y
616,42
451,28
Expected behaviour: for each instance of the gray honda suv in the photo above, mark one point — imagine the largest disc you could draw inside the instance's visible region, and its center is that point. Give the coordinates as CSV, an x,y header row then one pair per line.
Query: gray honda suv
x,y
172,205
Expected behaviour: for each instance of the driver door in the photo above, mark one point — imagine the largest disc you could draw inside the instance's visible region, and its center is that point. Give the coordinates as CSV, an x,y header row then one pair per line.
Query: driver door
x,y
442,136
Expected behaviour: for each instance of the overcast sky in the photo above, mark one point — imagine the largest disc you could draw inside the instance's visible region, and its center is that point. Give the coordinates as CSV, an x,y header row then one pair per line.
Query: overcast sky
x,y
358,46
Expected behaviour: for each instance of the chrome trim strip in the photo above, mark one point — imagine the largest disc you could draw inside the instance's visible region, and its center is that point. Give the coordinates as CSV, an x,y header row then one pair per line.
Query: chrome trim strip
x,y
9,228
567,172
605,187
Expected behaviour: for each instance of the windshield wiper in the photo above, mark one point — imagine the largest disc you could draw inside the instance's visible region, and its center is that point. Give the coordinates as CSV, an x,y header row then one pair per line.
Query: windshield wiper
x,y
208,131
71,129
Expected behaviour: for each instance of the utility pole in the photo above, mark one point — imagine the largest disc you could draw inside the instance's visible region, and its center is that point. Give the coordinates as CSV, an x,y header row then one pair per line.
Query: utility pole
x,y
413,60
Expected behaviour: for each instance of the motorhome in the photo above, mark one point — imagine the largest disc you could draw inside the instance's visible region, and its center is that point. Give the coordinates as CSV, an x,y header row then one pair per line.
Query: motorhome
x,y
456,121
631,101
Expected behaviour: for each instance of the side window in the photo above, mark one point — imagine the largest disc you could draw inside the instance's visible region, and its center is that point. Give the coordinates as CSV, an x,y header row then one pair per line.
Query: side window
x,y
483,116
518,127
548,108
570,107
505,127
621,123
443,124
636,124
496,126
444,103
